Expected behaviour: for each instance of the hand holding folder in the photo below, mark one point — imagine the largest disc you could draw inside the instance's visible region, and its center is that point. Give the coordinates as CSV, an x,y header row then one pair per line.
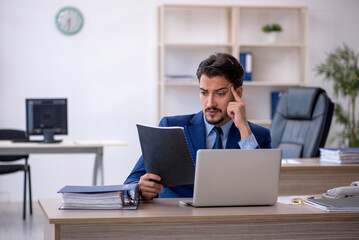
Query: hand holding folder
x,y
150,186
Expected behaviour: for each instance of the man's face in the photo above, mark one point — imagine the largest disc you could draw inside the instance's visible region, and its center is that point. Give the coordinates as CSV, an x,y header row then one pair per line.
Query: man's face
x,y
215,94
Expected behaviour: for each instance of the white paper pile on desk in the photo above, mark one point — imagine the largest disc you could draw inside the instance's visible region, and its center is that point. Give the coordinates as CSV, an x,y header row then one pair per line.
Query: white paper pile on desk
x,y
339,155
349,204
116,197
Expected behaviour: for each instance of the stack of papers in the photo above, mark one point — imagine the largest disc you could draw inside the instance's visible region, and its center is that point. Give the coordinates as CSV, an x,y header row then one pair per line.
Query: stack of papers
x,y
184,77
349,204
339,155
117,197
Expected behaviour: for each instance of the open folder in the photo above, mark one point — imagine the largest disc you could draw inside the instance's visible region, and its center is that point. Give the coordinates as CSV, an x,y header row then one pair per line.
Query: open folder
x,y
167,153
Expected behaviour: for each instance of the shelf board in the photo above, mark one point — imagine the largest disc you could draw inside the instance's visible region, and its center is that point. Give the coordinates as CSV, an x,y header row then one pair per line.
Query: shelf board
x,y
203,45
194,45
189,6
194,82
274,45
180,83
272,7
267,83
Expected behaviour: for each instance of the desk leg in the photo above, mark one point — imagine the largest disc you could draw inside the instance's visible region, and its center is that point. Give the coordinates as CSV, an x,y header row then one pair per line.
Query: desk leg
x,y
98,168
51,231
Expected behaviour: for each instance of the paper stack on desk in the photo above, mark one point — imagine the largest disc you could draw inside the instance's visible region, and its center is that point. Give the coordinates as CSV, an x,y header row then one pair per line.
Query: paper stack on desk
x,y
339,155
116,197
349,204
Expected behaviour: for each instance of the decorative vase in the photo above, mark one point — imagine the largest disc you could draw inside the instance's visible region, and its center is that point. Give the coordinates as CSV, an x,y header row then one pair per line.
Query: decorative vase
x,y
272,37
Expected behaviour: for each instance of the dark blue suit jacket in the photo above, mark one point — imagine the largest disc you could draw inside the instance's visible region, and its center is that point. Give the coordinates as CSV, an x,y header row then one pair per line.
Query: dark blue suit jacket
x,y
197,136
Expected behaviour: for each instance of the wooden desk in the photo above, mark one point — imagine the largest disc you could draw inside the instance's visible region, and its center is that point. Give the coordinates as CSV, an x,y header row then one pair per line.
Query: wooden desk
x,y
311,176
71,147
166,219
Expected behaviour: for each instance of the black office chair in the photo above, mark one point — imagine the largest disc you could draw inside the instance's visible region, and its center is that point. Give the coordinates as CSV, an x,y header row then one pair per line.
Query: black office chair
x,y
301,122
9,134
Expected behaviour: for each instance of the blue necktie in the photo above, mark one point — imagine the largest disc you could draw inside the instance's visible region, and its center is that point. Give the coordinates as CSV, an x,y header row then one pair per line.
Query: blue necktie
x,y
218,143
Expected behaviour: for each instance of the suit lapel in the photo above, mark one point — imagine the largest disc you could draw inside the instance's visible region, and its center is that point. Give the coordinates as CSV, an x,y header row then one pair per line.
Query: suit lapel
x,y
234,136
196,131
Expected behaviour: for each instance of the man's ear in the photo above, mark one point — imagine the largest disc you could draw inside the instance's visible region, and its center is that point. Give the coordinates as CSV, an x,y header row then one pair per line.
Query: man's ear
x,y
239,91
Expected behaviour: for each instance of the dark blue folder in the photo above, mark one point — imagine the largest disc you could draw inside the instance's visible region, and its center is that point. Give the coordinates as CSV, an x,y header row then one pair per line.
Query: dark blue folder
x,y
97,189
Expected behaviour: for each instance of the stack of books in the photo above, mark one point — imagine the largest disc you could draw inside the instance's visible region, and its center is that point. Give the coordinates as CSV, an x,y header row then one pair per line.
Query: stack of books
x,y
339,155
116,197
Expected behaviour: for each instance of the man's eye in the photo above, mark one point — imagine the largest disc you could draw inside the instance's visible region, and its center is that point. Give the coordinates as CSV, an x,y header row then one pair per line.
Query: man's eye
x,y
204,93
220,94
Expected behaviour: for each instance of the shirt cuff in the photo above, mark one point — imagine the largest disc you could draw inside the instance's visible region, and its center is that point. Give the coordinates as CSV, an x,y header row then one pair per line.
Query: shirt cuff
x,y
249,143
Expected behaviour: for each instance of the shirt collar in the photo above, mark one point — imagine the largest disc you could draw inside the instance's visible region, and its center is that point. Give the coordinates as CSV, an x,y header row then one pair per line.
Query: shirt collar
x,y
225,127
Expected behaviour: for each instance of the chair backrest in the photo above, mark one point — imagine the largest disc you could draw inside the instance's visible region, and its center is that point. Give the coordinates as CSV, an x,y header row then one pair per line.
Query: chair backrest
x,y
10,134
301,122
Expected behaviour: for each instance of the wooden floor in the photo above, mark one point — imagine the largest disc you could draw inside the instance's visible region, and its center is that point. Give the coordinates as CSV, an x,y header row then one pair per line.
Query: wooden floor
x,y
12,227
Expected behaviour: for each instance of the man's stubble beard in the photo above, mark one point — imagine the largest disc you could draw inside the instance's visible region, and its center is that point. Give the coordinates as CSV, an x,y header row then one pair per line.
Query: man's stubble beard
x,y
214,122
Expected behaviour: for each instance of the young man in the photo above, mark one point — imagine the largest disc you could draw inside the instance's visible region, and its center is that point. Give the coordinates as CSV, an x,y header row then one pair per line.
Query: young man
x,y
220,82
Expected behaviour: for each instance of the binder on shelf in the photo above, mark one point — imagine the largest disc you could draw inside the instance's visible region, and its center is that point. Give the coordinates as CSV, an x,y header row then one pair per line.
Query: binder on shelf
x,y
110,197
339,155
275,96
246,59
167,153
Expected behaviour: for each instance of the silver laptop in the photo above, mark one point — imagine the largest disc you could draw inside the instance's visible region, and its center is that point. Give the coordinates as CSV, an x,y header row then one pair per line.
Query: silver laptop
x,y
229,177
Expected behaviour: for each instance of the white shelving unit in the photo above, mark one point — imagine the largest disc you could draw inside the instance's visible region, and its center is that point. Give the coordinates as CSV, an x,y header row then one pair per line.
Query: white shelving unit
x,y
188,34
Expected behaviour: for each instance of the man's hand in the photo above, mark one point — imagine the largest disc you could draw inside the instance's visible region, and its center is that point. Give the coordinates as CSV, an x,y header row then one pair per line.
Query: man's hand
x,y
148,187
237,111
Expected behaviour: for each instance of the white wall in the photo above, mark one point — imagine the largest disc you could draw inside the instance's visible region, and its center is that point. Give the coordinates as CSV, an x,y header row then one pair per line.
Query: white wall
x,y
108,73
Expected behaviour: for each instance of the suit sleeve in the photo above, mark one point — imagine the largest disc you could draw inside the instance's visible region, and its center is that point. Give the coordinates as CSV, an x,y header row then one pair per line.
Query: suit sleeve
x,y
262,136
136,172
139,168
267,140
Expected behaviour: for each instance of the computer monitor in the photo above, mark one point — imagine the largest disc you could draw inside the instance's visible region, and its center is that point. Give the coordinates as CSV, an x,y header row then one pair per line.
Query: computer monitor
x,y
46,117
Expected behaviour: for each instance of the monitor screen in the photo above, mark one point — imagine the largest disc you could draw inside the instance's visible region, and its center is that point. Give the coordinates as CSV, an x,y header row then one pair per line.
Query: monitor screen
x,y
46,117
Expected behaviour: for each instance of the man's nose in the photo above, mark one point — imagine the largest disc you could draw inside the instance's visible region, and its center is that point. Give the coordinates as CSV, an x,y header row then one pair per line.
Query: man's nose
x,y
211,101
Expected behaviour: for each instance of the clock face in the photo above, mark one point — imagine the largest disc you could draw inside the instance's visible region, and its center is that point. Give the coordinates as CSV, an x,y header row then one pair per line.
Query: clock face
x,y
69,20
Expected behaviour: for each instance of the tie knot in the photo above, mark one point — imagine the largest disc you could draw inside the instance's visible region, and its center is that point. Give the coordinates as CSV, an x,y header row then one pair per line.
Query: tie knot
x,y
218,130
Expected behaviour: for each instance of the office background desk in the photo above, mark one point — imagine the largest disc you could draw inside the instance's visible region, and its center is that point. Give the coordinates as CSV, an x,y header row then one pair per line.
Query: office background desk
x,y
166,219
310,176
71,147
305,176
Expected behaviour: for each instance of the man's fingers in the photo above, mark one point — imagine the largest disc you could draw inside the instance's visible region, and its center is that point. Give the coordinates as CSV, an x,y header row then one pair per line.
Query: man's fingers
x,y
235,95
232,109
151,184
237,110
149,181
235,106
148,186
152,176
148,194
150,190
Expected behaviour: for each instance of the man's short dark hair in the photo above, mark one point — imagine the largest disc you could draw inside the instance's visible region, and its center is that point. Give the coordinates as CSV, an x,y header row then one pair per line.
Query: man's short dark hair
x,y
222,64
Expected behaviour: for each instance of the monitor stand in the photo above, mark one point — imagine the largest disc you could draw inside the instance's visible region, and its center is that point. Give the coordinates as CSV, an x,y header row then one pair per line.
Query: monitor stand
x,y
49,136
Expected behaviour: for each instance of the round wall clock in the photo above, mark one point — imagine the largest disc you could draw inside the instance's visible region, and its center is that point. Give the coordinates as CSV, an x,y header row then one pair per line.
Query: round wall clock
x,y
69,20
